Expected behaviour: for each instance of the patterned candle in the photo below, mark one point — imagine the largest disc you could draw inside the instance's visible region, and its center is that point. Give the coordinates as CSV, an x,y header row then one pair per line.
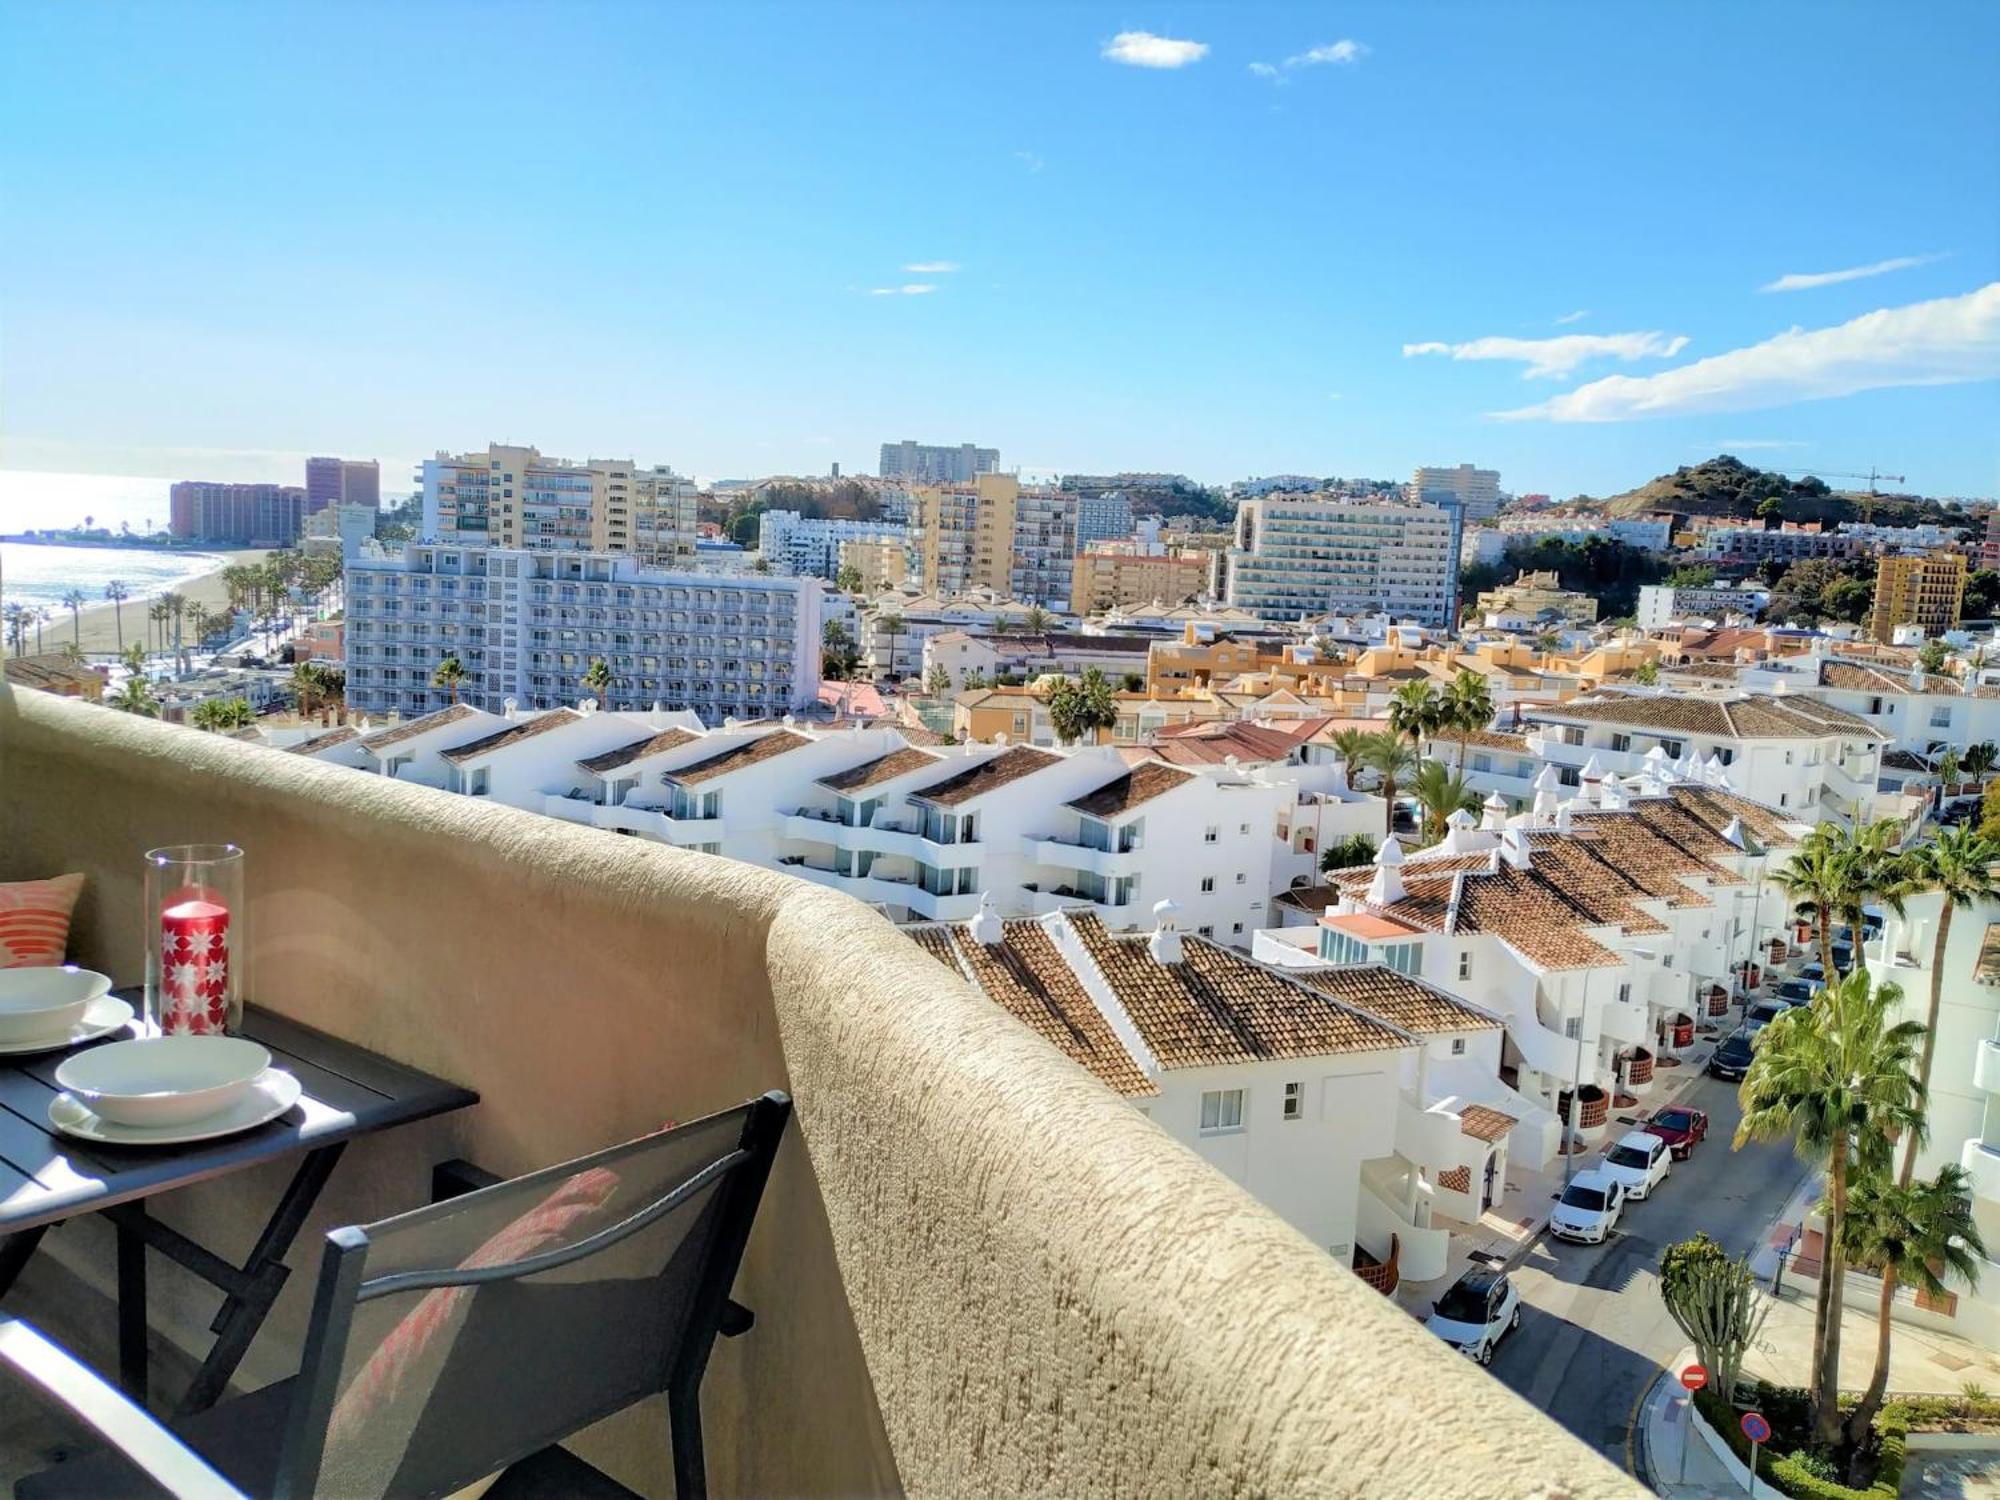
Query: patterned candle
x,y
194,963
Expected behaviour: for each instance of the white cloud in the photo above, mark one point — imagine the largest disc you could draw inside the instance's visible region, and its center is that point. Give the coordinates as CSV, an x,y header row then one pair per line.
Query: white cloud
x,y
1343,51
1029,160
1805,281
1141,49
908,289
933,267
1574,317
1558,356
1945,341
1263,70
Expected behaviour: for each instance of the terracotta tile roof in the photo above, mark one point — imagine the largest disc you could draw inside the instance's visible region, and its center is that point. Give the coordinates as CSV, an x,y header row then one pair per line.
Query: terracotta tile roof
x,y
1456,1180
1009,765
1904,760
1308,898
1205,743
1135,788
624,755
882,768
1026,976
1484,1124
1713,809
1752,716
1527,911
1368,927
1707,671
1860,678
325,741
917,734
1398,999
1217,1007
1487,739
736,757
381,739
50,671
513,734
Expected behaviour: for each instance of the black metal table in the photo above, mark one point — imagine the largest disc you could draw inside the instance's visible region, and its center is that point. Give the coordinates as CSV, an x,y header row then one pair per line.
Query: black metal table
x,y
47,1177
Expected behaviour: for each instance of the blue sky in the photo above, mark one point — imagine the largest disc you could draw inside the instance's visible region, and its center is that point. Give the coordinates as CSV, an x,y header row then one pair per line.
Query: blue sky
x,y
238,233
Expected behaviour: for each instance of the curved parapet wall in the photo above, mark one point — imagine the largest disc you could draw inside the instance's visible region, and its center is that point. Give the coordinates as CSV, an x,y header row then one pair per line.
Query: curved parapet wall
x,y
976,1270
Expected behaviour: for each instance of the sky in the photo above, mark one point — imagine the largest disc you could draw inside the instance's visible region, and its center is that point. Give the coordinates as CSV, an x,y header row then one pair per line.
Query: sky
x,y
1579,243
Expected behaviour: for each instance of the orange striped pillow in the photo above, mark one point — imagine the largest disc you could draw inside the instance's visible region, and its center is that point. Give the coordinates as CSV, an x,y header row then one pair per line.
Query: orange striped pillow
x,y
34,921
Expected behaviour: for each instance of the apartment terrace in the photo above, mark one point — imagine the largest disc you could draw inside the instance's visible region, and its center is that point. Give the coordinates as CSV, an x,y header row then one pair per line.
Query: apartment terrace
x,y
976,1270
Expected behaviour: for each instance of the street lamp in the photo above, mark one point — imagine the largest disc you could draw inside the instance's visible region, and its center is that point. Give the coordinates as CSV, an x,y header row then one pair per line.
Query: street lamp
x,y
1745,843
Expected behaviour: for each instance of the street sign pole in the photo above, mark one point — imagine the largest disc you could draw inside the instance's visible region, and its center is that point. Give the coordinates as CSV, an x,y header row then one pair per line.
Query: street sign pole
x,y
1692,1378
1758,1431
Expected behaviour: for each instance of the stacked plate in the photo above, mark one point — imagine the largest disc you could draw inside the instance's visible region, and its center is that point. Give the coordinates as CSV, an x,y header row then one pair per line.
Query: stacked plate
x,y
169,1090
45,1010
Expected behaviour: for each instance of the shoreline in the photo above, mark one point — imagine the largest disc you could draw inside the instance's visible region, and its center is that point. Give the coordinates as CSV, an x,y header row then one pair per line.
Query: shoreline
x,y
96,627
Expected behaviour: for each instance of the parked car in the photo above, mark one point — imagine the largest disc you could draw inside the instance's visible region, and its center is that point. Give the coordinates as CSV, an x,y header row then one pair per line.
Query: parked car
x,y
1764,1012
1798,991
1481,1308
1589,1208
1731,1060
1681,1128
1814,972
1639,1163
1843,957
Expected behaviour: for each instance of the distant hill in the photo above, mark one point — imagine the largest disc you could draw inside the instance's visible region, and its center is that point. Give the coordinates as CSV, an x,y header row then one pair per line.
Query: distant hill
x,y
1726,486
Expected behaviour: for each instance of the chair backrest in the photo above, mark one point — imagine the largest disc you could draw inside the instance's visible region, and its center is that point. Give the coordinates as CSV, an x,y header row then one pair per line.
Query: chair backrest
x,y
452,1341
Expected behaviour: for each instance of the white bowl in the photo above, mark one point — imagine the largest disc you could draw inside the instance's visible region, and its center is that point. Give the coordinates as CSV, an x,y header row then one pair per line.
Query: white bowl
x,y
37,1003
163,1080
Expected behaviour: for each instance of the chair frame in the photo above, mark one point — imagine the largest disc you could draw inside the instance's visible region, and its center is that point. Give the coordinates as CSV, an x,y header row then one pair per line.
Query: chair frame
x,y
741,1172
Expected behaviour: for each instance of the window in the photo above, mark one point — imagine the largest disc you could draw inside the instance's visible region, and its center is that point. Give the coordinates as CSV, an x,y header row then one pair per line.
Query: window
x,y
1222,1109
1211,834
1572,1027
1458,1046
1465,963
1241,877
1621,742
1788,757
1242,828
1673,748
1784,799
1207,930
1295,1101
1236,929
1625,992
1941,718
1208,882
1569,775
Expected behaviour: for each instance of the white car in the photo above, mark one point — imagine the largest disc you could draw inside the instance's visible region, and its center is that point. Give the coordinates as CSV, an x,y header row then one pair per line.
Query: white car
x,y
1589,1207
1479,1310
1638,1163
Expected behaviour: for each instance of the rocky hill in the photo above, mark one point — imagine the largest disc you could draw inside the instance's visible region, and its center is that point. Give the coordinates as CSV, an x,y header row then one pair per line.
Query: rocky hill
x,y
1726,486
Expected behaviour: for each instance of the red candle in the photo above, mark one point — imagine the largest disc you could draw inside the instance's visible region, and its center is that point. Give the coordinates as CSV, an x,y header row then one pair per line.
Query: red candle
x,y
194,966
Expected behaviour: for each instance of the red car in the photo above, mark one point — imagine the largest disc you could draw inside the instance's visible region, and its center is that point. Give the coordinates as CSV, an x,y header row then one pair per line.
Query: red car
x,y
1680,1128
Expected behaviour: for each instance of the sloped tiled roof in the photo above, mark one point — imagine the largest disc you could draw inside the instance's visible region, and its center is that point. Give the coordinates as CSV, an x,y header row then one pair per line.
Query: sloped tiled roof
x,y
1485,739
325,741
382,739
1754,716
1483,1123
624,755
736,757
513,734
882,768
1860,678
1217,1007
1008,766
1027,977
1135,788
1398,999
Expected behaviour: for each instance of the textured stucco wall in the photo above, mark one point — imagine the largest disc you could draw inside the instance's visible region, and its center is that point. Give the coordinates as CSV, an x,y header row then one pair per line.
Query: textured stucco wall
x,y
977,1272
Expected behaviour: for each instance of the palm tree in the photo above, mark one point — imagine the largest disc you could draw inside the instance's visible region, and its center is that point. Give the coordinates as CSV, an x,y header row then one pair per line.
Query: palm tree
x,y
1958,865
135,696
42,618
176,605
1351,745
201,622
448,674
1468,707
14,618
306,686
1392,760
1908,1232
117,592
1834,1078
1078,710
893,624
597,677
219,715
134,657
1948,768
1815,880
156,614
1980,759
1038,620
1440,793
74,601
1415,710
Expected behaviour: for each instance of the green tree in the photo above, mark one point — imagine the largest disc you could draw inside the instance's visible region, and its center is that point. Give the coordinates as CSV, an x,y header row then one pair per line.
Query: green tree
x,y
1989,810
743,530
14,616
135,696
118,591
892,625
1835,1078
450,675
1907,1231
1958,865
937,681
1646,674
1351,745
838,655
597,679
1078,709
1692,576
1981,600
1933,655
1816,879
1713,1300
1467,709
219,715
307,683
974,678
1133,682
1771,509
1346,854
1440,793
74,601
1416,711
1393,761
1038,620
134,657
1980,759
848,579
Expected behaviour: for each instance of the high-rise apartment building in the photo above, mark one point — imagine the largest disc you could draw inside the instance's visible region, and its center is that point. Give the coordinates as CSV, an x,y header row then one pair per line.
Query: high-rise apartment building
x,y
1475,491
1308,555
993,533
342,481
812,544
1104,516
1110,574
922,463
1926,591
515,497
527,623
243,515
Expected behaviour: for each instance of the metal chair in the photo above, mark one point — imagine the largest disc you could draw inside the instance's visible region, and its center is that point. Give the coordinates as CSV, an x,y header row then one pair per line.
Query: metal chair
x,y
469,1338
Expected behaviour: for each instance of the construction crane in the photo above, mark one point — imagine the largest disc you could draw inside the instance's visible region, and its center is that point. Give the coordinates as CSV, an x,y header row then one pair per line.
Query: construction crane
x,y
1873,476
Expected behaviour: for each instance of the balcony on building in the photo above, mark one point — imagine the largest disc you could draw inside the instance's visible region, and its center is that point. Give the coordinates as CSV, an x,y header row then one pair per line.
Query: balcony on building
x,y
975,1270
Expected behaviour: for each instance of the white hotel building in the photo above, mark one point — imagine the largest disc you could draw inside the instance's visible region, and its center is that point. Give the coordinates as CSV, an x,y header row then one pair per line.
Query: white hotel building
x,y
526,625
1295,557
810,545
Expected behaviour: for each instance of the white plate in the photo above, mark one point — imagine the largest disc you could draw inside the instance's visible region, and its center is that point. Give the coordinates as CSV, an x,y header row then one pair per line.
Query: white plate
x,y
105,1014
270,1096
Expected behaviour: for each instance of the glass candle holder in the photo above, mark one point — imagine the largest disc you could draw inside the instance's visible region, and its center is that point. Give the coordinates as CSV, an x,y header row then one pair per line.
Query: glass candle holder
x,y
195,941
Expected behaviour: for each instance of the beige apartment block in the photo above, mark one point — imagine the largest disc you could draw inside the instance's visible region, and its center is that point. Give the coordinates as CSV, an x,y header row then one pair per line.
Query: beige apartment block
x,y
1107,576
992,533
509,496
881,564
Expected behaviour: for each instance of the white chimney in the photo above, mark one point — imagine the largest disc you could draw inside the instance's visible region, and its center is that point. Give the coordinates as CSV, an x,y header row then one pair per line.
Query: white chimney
x,y
1000,737
1563,817
985,926
1387,888
1165,943
586,706
1514,849
1612,794
1593,769
509,706
1495,808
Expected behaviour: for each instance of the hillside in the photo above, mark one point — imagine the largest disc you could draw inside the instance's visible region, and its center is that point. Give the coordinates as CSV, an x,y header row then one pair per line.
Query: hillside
x,y
1726,486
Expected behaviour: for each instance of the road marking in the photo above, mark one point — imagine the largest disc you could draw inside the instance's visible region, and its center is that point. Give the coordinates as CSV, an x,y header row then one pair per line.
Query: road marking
x,y
1632,1419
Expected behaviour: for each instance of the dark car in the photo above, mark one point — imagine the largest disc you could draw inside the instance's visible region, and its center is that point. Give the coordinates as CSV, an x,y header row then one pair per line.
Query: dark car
x,y
1732,1058
1797,992
1681,1128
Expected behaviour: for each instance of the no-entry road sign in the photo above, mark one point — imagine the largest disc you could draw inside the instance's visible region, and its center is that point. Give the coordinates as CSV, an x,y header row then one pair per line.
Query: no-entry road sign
x,y
1694,1377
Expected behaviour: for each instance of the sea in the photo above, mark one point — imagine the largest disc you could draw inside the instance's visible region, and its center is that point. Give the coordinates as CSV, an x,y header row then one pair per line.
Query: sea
x,y
40,576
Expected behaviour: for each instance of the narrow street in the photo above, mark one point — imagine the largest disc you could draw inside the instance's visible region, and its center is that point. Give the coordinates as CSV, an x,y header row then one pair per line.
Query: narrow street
x,y
1593,1330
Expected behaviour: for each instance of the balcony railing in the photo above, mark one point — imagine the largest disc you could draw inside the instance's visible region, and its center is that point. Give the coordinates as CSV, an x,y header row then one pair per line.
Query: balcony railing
x,y
590,987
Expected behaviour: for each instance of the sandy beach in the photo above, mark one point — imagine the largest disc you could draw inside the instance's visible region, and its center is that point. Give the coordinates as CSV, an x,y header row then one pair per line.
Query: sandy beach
x,y
98,625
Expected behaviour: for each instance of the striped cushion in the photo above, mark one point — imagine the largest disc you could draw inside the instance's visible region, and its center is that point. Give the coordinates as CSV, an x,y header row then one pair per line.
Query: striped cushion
x,y
34,921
